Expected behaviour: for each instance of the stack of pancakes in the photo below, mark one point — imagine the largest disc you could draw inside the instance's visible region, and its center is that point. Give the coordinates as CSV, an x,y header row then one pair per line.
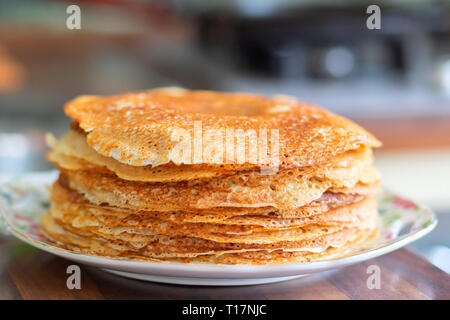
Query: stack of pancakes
x,y
123,192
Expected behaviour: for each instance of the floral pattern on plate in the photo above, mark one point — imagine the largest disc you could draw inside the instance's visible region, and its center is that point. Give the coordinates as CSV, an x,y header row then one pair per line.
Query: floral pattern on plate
x,y
23,200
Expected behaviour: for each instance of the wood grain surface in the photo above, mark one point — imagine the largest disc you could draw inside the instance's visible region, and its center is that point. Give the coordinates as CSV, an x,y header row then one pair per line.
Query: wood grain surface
x,y
27,273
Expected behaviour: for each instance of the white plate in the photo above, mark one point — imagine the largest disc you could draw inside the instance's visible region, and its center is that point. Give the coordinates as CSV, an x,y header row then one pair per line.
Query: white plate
x,y
24,199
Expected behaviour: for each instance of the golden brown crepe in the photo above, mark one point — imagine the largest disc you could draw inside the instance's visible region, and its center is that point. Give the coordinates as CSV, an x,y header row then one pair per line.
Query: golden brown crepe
x,y
123,193
136,128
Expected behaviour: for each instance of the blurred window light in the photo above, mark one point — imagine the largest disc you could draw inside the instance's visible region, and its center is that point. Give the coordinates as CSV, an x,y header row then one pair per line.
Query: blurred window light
x,y
440,257
256,8
442,74
339,61
14,145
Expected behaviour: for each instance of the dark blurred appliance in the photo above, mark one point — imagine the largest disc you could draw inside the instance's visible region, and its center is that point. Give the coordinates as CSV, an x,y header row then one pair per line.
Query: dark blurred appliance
x,y
329,41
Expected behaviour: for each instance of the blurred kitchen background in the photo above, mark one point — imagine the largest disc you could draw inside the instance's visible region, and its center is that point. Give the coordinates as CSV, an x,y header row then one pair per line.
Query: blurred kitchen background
x,y
394,81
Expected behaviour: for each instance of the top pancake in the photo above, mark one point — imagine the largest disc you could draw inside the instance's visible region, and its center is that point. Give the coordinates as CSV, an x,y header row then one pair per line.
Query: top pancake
x,y
137,128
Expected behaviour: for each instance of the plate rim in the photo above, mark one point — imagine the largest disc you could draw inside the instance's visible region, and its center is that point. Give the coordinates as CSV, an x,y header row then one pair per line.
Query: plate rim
x,y
223,271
